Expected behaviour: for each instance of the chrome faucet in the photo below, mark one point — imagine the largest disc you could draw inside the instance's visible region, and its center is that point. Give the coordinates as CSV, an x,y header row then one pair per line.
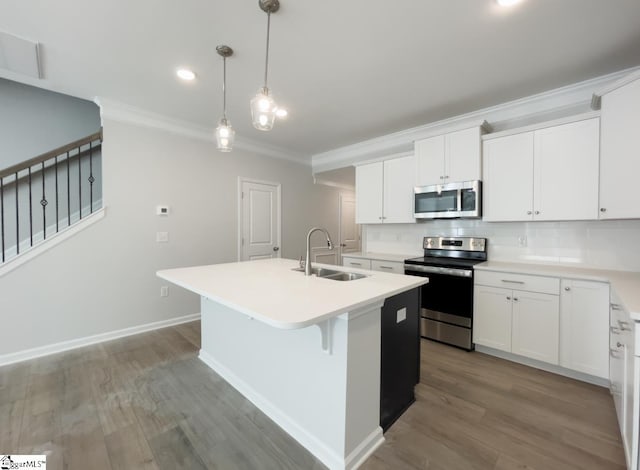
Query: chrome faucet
x,y
307,264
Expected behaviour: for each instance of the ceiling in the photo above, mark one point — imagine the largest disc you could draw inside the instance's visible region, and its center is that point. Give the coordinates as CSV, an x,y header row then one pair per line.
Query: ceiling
x,y
347,71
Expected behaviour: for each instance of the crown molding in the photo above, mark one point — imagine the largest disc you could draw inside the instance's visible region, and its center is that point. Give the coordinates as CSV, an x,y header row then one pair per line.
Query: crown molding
x,y
555,103
596,100
120,112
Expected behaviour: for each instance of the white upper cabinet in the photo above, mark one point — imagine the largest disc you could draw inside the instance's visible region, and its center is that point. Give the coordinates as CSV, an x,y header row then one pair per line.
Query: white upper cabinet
x,y
549,173
620,152
448,158
398,191
508,178
565,171
369,193
384,191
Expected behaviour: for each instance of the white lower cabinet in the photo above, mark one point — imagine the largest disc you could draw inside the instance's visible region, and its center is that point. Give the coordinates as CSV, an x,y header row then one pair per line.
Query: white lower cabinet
x,y
522,322
360,263
387,266
492,317
584,327
536,326
625,378
384,266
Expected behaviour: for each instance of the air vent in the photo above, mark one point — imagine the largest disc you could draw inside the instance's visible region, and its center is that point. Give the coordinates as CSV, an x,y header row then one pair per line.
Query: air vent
x,y
19,55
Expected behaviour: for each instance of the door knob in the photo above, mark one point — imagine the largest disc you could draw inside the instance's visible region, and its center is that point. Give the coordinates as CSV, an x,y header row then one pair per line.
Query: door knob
x,y
343,245
276,248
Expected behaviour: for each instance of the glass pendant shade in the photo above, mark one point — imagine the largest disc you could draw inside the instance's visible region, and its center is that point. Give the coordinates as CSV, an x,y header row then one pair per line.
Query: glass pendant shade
x,y
224,136
263,110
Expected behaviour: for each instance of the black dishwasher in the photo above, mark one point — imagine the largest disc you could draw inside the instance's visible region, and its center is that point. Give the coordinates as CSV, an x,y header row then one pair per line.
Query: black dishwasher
x,y
400,355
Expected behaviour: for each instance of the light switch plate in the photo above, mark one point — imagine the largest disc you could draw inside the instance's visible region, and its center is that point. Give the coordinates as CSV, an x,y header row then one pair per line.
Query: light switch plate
x,y
401,315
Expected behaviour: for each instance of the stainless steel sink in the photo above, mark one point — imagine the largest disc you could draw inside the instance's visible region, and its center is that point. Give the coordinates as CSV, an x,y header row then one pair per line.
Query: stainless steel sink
x,y
333,274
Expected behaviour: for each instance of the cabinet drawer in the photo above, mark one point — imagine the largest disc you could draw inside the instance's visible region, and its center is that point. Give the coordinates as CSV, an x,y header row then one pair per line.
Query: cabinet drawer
x,y
545,285
360,263
387,266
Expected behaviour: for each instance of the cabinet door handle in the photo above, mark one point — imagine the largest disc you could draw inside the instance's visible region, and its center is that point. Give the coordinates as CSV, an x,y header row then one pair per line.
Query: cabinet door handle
x,y
528,212
512,282
355,264
508,298
614,353
603,209
442,177
386,267
515,299
619,344
537,212
567,288
615,307
614,330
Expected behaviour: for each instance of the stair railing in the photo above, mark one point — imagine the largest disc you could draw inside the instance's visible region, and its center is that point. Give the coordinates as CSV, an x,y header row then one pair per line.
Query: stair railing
x,y
61,168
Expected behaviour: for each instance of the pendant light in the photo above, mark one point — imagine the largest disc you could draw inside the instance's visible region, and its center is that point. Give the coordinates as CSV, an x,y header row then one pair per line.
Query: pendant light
x,y
263,107
224,131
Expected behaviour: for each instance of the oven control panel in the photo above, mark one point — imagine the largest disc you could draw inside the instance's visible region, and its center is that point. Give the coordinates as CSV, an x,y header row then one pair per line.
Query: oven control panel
x,y
460,243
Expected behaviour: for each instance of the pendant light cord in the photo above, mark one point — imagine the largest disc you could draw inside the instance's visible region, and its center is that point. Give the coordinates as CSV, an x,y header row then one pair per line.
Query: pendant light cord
x,y
266,62
224,89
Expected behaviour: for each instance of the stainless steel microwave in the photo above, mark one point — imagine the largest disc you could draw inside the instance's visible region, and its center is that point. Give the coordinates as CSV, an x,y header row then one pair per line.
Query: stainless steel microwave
x,y
449,201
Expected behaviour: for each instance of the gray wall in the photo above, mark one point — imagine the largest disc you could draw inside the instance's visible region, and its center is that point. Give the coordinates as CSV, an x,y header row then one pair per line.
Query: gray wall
x,y
34,121
103,278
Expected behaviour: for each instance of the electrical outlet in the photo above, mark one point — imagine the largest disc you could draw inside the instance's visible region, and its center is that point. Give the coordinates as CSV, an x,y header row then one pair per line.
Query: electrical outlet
x,y
162,237
401,315
522,241
164,291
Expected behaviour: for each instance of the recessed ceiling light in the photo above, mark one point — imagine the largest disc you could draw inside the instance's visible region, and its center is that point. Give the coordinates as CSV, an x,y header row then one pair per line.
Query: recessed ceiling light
x,y
186,74
507,3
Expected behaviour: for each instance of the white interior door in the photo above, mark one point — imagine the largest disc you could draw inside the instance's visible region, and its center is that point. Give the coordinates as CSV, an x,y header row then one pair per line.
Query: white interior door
x,y
259,220
349,230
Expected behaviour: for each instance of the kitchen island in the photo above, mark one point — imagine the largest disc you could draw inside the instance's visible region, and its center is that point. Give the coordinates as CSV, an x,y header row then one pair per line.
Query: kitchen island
x,y
303,349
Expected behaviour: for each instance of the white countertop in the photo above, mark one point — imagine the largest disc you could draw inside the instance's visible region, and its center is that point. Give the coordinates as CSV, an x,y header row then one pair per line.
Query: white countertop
x,y
626,284
269,291
380,256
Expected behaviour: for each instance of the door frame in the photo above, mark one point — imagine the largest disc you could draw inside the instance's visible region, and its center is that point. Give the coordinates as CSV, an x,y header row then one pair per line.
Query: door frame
x,y
359,234
241,180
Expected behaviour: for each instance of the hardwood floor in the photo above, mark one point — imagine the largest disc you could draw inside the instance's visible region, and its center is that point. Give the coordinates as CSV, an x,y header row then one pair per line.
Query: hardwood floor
x,y
475,411
147,402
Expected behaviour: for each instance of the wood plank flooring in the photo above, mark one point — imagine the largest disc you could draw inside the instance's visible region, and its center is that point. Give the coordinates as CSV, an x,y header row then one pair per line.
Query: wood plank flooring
x,y
147,402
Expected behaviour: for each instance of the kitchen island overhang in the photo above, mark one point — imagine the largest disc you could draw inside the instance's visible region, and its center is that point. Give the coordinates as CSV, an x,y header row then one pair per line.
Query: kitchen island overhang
x,y
304,350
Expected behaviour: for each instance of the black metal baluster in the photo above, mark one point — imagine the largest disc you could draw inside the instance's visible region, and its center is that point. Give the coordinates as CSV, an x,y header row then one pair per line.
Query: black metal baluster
x,y
91,178
43,203
57,216
68,192
30,211
2,214
79,184
17,218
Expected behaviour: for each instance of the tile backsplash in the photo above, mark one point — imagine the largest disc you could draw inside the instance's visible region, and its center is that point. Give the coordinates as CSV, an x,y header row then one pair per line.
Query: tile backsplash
x,y
589,244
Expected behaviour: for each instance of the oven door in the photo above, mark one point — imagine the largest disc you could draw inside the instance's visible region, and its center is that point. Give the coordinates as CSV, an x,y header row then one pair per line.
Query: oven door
x,y
448,297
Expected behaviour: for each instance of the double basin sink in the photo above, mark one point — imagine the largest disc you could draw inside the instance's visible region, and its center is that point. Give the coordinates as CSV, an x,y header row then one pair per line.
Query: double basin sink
x,y
333,274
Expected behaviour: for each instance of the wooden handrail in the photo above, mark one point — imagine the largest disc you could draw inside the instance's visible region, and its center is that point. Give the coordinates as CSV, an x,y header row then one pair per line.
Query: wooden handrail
x,y
51,154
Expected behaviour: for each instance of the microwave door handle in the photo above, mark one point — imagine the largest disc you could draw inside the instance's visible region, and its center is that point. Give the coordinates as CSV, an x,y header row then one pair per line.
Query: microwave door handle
x,y
459,198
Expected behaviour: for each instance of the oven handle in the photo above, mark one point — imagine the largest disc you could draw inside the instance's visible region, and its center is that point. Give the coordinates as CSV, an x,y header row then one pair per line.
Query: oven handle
x,y
438,270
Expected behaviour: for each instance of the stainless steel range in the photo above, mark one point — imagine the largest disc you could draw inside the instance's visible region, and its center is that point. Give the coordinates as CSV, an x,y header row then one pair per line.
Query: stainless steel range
x,y
447,300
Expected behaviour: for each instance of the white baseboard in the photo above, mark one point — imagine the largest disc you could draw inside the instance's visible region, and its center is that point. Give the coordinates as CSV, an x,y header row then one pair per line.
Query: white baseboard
x,y
366,448
572,374
33,353
308,441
